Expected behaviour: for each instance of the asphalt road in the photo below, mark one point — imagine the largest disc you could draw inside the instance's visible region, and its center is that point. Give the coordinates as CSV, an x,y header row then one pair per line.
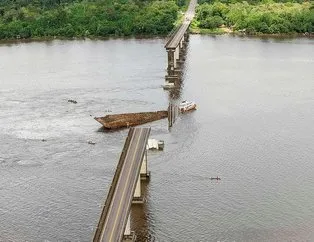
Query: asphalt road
x,y
189,15
116,217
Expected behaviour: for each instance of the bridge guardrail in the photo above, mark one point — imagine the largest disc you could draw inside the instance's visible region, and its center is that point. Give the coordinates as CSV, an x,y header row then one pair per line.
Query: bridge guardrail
x,y
139,170
172,34
97,235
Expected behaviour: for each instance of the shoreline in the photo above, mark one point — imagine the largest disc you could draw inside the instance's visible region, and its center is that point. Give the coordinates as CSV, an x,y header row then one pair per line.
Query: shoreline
x,y
228,31
52,38
220,31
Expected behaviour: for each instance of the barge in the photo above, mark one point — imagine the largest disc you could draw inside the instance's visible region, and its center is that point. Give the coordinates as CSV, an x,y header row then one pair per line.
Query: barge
x,y
124,120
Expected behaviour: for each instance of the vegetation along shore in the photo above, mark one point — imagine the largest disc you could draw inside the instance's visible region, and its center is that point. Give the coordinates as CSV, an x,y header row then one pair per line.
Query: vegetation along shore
x,y
254,17
44,19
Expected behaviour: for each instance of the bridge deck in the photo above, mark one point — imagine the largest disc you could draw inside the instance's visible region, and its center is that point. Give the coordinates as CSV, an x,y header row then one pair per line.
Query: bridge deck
x,y
175,39
115,213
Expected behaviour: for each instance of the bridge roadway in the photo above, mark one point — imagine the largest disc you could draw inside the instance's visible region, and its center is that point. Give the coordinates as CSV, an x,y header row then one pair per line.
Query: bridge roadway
x,y
116,211
175,39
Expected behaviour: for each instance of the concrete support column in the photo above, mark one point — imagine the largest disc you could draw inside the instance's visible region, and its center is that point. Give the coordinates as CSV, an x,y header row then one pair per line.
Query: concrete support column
x,y
182,52
186,36
137,197
177,53
127,230
137,192
171,61
185,44
176,56
145,174
177,69
129,236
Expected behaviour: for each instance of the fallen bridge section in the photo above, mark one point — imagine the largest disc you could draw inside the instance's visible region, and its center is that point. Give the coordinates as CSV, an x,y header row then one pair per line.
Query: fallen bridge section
x,y
114,217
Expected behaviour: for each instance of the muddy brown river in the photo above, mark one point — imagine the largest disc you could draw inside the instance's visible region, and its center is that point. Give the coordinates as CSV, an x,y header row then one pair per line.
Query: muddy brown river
x,y
253,128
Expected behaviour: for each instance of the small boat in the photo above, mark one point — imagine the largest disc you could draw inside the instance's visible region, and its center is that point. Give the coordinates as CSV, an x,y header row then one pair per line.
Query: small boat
x,y
91,142
186,106
72,101
215,178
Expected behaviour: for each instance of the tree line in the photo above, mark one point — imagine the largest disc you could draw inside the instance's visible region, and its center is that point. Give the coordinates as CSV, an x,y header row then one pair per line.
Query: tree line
x,y
86,18
103,18
267,17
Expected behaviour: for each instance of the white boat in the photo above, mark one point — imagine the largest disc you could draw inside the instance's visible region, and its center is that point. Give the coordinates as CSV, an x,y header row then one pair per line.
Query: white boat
x,y
187,106
155,144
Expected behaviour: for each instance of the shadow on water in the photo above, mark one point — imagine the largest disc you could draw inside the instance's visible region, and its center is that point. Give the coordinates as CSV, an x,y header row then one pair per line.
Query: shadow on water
x,y
175,93
105,130
140,217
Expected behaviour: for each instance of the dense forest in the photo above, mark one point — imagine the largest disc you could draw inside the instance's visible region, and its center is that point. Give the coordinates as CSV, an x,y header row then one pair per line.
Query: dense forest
x,y
21,19
255,17
86,18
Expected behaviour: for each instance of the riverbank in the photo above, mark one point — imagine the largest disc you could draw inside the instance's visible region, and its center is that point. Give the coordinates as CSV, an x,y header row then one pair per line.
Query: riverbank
x,y
262,19
224,30
61,38
83,20
192,31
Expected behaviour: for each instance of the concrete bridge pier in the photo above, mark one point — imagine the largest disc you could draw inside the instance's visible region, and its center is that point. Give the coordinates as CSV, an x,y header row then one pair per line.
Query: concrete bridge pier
x,y
143,175
176,58
186,37
171,61
181,58
128,234
177,43
137,197
177,66
171,77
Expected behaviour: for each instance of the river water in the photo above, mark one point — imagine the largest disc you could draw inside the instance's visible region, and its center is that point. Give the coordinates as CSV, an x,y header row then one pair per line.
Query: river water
x,y
253,128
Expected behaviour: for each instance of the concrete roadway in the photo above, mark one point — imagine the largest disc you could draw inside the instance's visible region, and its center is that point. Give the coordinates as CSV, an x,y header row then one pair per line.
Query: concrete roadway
x,y
189,15
119,207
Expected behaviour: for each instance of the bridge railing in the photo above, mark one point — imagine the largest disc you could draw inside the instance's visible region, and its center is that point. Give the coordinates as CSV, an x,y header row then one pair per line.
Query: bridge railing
x,y
98,232
172,33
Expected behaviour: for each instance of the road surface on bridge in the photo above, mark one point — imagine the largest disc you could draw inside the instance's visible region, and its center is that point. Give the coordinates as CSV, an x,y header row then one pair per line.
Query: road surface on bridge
x,y
117,214
178,35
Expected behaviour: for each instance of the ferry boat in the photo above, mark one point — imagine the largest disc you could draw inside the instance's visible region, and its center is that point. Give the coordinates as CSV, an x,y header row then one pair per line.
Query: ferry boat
x,y
186,106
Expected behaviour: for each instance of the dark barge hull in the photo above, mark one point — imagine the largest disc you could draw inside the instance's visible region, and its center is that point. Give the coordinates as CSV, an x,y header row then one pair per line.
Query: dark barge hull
x,y
116,121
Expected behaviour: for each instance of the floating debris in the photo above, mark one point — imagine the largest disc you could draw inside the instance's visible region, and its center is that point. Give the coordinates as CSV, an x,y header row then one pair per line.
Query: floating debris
x,y
72,101
215,178
43,140
116,121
